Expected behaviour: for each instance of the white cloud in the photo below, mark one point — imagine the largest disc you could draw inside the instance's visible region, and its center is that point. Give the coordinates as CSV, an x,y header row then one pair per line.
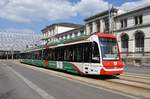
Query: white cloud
x,y
90,7
134,4
25,30
35,10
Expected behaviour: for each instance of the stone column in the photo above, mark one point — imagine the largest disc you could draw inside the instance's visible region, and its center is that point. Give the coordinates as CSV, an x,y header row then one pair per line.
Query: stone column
x,y
94,27
101,26
87,29
133,46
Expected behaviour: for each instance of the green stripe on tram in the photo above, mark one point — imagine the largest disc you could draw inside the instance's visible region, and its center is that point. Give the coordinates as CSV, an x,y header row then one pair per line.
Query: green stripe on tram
x,y
51,64
69,67
38,62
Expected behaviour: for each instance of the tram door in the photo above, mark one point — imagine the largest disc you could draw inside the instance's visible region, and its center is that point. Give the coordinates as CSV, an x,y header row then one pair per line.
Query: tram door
x,y
45,57
87,54
91,56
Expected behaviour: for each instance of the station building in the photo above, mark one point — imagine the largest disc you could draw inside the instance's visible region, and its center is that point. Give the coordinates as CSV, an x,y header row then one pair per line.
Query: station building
x,y
133,34
132,29
12,43
61,31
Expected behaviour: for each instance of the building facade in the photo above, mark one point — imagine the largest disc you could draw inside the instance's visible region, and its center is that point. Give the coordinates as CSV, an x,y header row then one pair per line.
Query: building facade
x,y
102,22
53,33
74,33
133,34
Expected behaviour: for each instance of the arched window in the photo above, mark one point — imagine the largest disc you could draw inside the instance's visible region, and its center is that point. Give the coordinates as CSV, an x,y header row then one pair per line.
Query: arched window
x,y
139,41
124,42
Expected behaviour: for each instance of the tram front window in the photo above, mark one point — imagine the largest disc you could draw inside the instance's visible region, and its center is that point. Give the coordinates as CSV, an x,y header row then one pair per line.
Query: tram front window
x,y
109,48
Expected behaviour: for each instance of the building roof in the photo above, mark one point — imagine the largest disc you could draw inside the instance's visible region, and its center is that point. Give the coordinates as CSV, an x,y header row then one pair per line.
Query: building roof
x,y
134,10
10,40
101,14
73,25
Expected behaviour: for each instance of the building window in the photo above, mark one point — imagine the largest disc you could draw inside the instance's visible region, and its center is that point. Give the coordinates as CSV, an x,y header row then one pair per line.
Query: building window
x,y
76,34
65,36
61,37
138,19
139,41
123,23
106,23
124,42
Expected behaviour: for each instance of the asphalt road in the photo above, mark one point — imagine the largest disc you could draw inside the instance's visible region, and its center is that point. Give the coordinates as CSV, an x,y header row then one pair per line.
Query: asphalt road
x,y
33,84
11,87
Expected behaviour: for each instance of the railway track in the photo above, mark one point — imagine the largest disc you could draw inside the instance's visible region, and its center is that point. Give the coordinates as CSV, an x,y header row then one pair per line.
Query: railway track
x,y
140,78
134,85
137,85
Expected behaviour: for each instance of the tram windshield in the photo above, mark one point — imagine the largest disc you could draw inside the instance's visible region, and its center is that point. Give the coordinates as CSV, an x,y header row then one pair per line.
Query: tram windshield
x,y
109,48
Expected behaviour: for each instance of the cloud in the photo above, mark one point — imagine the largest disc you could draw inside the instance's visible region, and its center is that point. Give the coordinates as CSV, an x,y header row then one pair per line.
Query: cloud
x,y
39,10
36,10
90,7
134,4
16,30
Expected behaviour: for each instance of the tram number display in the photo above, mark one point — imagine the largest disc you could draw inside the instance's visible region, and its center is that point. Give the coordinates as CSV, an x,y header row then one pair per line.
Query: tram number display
x,y
60,65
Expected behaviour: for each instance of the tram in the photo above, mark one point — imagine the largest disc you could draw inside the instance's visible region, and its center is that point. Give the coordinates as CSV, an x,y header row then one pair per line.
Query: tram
x,y
96,54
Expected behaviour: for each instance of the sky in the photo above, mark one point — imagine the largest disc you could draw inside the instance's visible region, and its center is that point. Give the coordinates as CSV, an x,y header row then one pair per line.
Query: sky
x,y
34,15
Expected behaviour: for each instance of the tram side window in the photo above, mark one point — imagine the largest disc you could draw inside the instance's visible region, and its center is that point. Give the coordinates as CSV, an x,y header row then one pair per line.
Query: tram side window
x,y
78,53
49,54
37,54
24,56
73,53
40,54
30,55
87,53
95,53
33,55
59,54
45,54
65,54
69,53
53,55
